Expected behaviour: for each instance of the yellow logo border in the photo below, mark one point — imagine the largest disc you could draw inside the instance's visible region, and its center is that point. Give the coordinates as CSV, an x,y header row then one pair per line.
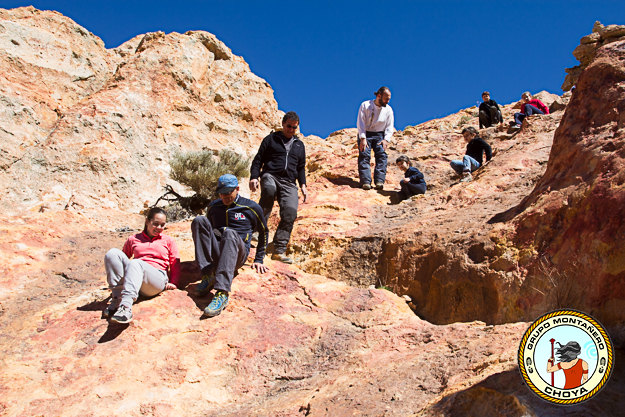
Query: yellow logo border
x,y
596,389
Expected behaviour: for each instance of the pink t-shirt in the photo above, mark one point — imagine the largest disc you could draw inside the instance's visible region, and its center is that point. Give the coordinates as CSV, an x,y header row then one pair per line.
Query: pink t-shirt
x,y
538,104
160,251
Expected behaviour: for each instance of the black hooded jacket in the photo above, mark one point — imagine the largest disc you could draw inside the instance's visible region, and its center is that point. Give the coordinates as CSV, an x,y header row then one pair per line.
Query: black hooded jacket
x,y
272,158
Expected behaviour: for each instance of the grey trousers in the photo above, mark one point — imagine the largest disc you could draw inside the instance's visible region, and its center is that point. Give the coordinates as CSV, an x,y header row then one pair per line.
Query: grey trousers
x,y
129,277
221,253
271,187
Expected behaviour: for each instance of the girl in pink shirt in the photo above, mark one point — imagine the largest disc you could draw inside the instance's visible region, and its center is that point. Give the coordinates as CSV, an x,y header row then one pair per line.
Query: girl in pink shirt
x,y
529,107
148,264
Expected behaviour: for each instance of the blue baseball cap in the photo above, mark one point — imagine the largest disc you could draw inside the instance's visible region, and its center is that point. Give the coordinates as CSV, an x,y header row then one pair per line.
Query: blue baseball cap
x,y
226,184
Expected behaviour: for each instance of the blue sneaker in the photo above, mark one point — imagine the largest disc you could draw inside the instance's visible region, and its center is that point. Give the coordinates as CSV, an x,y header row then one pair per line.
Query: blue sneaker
x,y
220,301
207,284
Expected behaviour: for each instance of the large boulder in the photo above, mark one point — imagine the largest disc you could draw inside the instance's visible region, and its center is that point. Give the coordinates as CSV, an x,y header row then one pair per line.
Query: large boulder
x,y
572,220
72,109
588,47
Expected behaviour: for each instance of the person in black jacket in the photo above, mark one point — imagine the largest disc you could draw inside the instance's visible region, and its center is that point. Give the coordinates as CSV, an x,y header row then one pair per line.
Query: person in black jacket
x,y
413,182
280,161
489,111
222,241
472,160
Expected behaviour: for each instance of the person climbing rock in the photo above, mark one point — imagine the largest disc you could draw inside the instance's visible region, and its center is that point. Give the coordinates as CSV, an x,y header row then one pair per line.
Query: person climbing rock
x,y
472,159
279,162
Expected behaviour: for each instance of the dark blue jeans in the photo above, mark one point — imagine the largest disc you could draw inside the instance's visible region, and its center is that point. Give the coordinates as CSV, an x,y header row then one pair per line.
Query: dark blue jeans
x,y
409,189
529,110
374,142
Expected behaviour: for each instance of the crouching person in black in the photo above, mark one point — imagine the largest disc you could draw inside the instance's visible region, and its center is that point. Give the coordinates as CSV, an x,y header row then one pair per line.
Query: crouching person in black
x,y
222,241
489,111
413,182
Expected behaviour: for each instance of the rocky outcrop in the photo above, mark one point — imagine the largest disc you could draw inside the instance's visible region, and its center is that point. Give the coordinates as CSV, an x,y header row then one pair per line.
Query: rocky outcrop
x,y
588,47
70,109
486,249
290,343
438,248
572,221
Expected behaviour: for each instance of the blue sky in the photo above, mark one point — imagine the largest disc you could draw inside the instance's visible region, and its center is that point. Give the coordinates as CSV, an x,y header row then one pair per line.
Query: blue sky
x,y
323,58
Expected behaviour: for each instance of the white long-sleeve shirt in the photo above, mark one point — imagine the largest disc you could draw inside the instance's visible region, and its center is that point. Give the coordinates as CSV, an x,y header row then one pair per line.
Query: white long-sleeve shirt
x,y
375,119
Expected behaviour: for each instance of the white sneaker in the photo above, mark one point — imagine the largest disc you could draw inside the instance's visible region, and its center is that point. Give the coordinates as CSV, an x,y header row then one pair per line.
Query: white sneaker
x,y
123,315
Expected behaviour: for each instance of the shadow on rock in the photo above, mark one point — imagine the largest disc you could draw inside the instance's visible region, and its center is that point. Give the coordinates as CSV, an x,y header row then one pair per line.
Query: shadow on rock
x,y
349,181
505,394
112,331
201,301
95,305
189,272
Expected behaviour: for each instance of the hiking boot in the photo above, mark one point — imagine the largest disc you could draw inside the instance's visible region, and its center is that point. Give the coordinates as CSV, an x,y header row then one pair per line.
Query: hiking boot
x,y
466,176
111,308
366,186
123,315
207,284
282,258
379,185
254,240
216,306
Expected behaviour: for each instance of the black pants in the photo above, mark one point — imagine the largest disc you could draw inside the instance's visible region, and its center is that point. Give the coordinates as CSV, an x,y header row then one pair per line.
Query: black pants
x,y
272,186
222,253
492,117
410,189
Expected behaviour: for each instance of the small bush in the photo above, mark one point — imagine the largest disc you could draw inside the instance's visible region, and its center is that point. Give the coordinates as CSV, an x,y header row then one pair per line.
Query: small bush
x,y
201,170
464,120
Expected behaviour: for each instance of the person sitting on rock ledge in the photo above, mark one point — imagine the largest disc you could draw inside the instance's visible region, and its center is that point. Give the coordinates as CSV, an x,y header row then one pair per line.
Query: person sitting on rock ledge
x,y
529,106
222,241
489,111
413,182
153,255
472,159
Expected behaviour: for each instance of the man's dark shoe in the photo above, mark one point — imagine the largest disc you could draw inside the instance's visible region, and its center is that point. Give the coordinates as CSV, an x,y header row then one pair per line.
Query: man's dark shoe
x,y
216,306
366,186
379,185
111,308
123,315
206,285
282,258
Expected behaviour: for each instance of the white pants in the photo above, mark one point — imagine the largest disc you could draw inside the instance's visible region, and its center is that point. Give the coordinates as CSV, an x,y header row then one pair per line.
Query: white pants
x,y
129,277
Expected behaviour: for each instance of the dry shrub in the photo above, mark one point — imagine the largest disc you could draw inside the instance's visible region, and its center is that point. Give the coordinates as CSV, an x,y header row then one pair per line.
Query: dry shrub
x,y
201,170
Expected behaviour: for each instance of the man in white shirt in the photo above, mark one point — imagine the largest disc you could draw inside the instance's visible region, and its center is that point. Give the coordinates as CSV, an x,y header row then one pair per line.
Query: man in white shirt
x,y
375,129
